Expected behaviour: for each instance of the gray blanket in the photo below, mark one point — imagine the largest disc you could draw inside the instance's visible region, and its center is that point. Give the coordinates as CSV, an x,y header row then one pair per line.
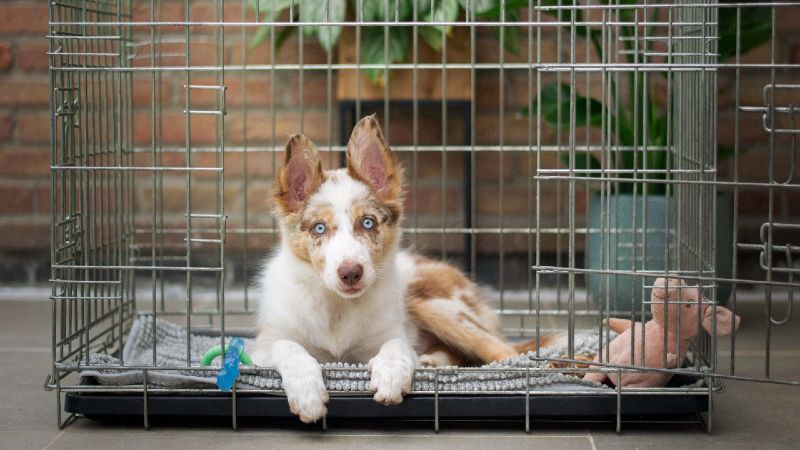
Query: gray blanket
x,y
171,351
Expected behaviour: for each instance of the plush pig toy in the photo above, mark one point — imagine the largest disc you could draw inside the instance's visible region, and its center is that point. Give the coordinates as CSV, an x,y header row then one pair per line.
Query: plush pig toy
x,y
691,304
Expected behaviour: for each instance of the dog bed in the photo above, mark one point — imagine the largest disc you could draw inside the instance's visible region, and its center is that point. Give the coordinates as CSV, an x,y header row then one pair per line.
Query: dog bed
x,y
171,351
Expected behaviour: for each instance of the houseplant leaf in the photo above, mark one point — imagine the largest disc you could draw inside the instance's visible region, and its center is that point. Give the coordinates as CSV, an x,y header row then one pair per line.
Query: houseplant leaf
x,y
755,29
724,152
373,51
271,9
483,6
625,14
586,112
493,7
493,11
445,11
312,11
263,34
376,10
513,34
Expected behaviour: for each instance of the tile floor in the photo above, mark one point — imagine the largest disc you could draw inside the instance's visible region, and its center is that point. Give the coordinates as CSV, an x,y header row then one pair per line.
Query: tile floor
x,y
747,415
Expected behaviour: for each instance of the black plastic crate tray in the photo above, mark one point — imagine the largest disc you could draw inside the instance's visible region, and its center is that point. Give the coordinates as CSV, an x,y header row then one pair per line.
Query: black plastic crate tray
x,y
555,406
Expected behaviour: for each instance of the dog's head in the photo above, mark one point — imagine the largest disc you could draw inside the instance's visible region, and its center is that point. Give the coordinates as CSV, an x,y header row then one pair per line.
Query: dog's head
x,y
344,223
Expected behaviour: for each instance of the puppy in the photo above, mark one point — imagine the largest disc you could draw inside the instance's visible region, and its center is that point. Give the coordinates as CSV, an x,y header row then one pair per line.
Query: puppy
x,y
339,289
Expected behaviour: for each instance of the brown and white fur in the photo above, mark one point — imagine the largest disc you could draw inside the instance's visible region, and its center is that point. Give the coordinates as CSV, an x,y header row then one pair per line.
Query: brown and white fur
x,y
339,289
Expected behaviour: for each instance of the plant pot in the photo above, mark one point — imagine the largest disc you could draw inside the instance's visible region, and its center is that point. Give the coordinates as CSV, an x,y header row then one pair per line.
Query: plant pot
x,y
610,245
429,84
612,249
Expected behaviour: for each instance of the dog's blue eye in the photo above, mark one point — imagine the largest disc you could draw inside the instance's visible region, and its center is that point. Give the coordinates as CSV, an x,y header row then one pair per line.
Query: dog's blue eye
x,y
319,228
368,223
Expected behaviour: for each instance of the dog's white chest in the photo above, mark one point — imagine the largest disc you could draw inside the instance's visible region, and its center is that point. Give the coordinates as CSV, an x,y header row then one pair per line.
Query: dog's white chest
x,y
348,332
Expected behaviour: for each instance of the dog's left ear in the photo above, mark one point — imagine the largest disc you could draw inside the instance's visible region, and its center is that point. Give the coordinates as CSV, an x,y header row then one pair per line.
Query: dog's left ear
x,y
370,160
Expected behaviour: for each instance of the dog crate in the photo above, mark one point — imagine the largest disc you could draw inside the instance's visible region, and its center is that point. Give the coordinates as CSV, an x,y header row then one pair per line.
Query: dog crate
x,y
565,154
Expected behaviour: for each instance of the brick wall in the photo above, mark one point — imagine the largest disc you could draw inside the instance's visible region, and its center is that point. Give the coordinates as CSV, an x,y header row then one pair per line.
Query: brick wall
x,y
24,138
25,135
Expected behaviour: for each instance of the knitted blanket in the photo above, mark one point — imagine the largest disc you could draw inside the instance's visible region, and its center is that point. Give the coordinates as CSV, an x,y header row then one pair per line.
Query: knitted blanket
x,y
171,351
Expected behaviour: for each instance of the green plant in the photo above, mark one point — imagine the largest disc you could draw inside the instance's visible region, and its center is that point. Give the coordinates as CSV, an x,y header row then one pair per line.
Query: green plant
x,y
375,49
627,122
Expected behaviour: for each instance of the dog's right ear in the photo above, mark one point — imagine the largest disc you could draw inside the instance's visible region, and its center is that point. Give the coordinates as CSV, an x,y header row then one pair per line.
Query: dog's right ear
x,y
300,176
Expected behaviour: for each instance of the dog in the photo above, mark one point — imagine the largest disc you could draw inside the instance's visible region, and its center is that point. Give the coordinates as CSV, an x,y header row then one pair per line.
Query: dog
x,y
339,288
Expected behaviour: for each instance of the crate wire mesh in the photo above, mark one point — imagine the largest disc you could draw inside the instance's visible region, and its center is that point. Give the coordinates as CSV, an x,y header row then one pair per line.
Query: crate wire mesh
x,y
167,129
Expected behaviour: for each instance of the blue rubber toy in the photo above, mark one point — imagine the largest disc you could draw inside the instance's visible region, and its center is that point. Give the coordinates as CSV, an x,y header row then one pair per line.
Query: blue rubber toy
x,y
230,365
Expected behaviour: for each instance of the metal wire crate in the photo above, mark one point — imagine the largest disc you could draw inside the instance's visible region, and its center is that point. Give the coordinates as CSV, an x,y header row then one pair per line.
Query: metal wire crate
x,y
166,123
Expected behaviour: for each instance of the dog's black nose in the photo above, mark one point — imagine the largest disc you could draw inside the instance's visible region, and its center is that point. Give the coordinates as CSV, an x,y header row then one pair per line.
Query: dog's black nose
x,y
350,273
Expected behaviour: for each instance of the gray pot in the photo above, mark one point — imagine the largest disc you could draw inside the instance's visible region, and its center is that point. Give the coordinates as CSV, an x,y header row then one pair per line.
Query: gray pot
x,y
613,249
615,243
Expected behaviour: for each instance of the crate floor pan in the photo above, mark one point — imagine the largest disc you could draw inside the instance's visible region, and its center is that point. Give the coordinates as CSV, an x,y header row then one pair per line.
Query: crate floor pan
x,y
647,407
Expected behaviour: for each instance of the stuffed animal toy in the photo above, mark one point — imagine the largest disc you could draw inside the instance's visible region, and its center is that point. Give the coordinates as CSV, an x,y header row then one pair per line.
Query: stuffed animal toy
x,y
694,312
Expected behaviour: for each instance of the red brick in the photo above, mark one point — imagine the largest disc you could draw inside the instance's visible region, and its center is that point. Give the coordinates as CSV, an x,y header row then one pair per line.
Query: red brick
x,y
488,46
515,130
794,54
28,91
202,53
753,165
208,11
25,233
6,127
751,130
428,200
259,199
171,11
142,91
487,165
259,164
5,55
258,92
785,18
515,201
31,55
286,123
204,197
759,55
315,89
41,198
166,159
17,199
399,130
23,18
25,162
33,128
429,166
756,203
313,53
255,55
205,98
174,131
260,242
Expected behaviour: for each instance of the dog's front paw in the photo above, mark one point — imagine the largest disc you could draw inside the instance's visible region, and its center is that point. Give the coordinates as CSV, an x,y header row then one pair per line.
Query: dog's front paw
x,y
391,378
307,396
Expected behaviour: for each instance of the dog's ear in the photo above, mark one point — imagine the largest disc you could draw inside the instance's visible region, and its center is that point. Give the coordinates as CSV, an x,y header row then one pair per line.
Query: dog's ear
x,y
300,175
370,160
